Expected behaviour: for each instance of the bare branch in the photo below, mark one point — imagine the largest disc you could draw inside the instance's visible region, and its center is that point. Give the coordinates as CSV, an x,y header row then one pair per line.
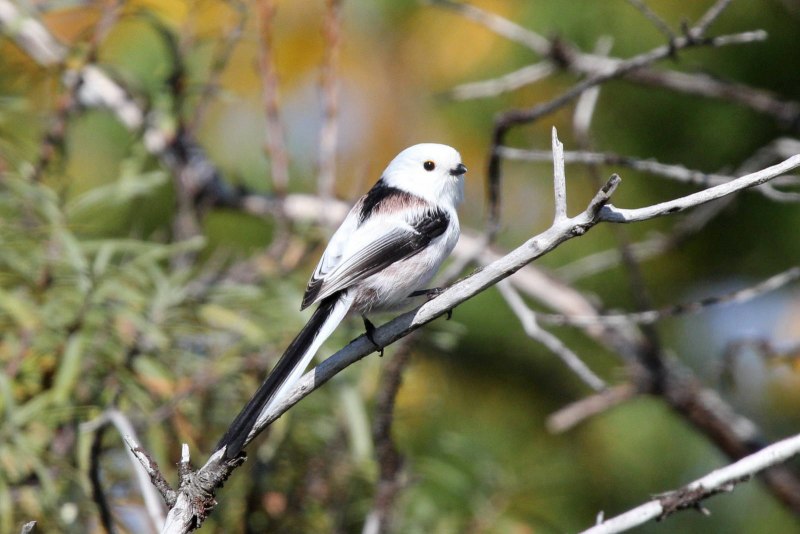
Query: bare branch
x,y
693,222
31,35
622,68
709,17
534,331
647,249
220,60
760,100
690,496
617,215
577,412
499,25
508,82
653,17
330,96
513,118
98,495
275,145
152,470
587,102
28,528
651,316
389,458
559,179
566,56
675,172
151,478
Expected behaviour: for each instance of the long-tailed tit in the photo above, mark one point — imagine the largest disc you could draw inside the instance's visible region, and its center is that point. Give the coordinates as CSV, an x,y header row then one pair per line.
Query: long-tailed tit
x,y
388,248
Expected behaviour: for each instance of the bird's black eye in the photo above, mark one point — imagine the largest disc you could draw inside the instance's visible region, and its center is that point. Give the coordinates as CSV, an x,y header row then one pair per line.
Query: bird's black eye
x,y
429,165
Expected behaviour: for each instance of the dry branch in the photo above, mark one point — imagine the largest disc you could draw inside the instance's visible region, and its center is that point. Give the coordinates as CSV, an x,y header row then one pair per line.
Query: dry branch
x,y
275,145
733,434
196,499
534,331
772,283
674,172
617,215
560,54
690,496
330,91
30,35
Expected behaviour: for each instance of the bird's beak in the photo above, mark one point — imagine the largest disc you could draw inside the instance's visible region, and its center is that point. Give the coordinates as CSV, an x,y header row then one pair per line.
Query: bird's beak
x,y
459,170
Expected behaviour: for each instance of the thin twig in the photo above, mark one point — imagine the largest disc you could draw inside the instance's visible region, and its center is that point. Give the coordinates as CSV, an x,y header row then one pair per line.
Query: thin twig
x,y
618,215
564,55
505,121
330,99
647,249
651,316
653,17
499,25
692,223
708,18
672,171
527,75
690,496
108,18
275,146
389,458
787,113
151,478
587,102
98,495
573,414
534,331
559,179
513,118
31,35
219,62
151,470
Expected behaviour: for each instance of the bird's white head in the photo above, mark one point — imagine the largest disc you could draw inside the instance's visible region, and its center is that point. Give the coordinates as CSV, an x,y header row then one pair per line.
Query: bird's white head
x,y
429,170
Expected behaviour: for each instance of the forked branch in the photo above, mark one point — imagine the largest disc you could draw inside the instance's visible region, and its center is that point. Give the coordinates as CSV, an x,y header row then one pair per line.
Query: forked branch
x,y
196,499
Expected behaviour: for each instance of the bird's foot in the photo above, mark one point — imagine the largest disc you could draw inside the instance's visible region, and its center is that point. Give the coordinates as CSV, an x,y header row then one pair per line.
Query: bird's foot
x,y
431,294
370,328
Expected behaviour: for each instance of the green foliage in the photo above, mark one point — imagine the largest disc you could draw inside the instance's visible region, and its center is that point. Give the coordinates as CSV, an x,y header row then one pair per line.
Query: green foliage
x,y
90,322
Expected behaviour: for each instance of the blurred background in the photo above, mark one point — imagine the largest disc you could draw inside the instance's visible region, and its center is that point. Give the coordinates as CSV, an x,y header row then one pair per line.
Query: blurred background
x,y
133,277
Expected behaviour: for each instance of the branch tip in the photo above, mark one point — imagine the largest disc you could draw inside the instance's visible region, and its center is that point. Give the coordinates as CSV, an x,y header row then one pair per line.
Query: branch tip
x,y
604,195
559,178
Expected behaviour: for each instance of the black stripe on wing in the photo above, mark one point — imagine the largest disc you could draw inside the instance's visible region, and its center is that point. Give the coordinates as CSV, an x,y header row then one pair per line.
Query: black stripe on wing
x,y
396,245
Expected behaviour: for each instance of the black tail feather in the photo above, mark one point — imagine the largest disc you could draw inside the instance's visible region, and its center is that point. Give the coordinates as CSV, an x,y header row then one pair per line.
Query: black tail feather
x,y
237,433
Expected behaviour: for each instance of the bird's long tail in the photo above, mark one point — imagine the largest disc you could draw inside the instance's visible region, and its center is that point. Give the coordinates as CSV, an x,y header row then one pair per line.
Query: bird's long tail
x,y
287,371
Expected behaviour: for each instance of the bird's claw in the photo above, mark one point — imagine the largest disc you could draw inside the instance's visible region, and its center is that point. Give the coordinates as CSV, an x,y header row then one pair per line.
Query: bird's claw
x,y
370,328
431,294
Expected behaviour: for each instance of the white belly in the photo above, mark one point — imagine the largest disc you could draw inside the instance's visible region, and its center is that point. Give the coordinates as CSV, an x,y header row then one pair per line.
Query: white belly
x,y
390,288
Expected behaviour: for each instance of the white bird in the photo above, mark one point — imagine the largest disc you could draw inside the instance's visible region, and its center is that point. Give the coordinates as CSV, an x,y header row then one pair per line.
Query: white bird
x,y
388,248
